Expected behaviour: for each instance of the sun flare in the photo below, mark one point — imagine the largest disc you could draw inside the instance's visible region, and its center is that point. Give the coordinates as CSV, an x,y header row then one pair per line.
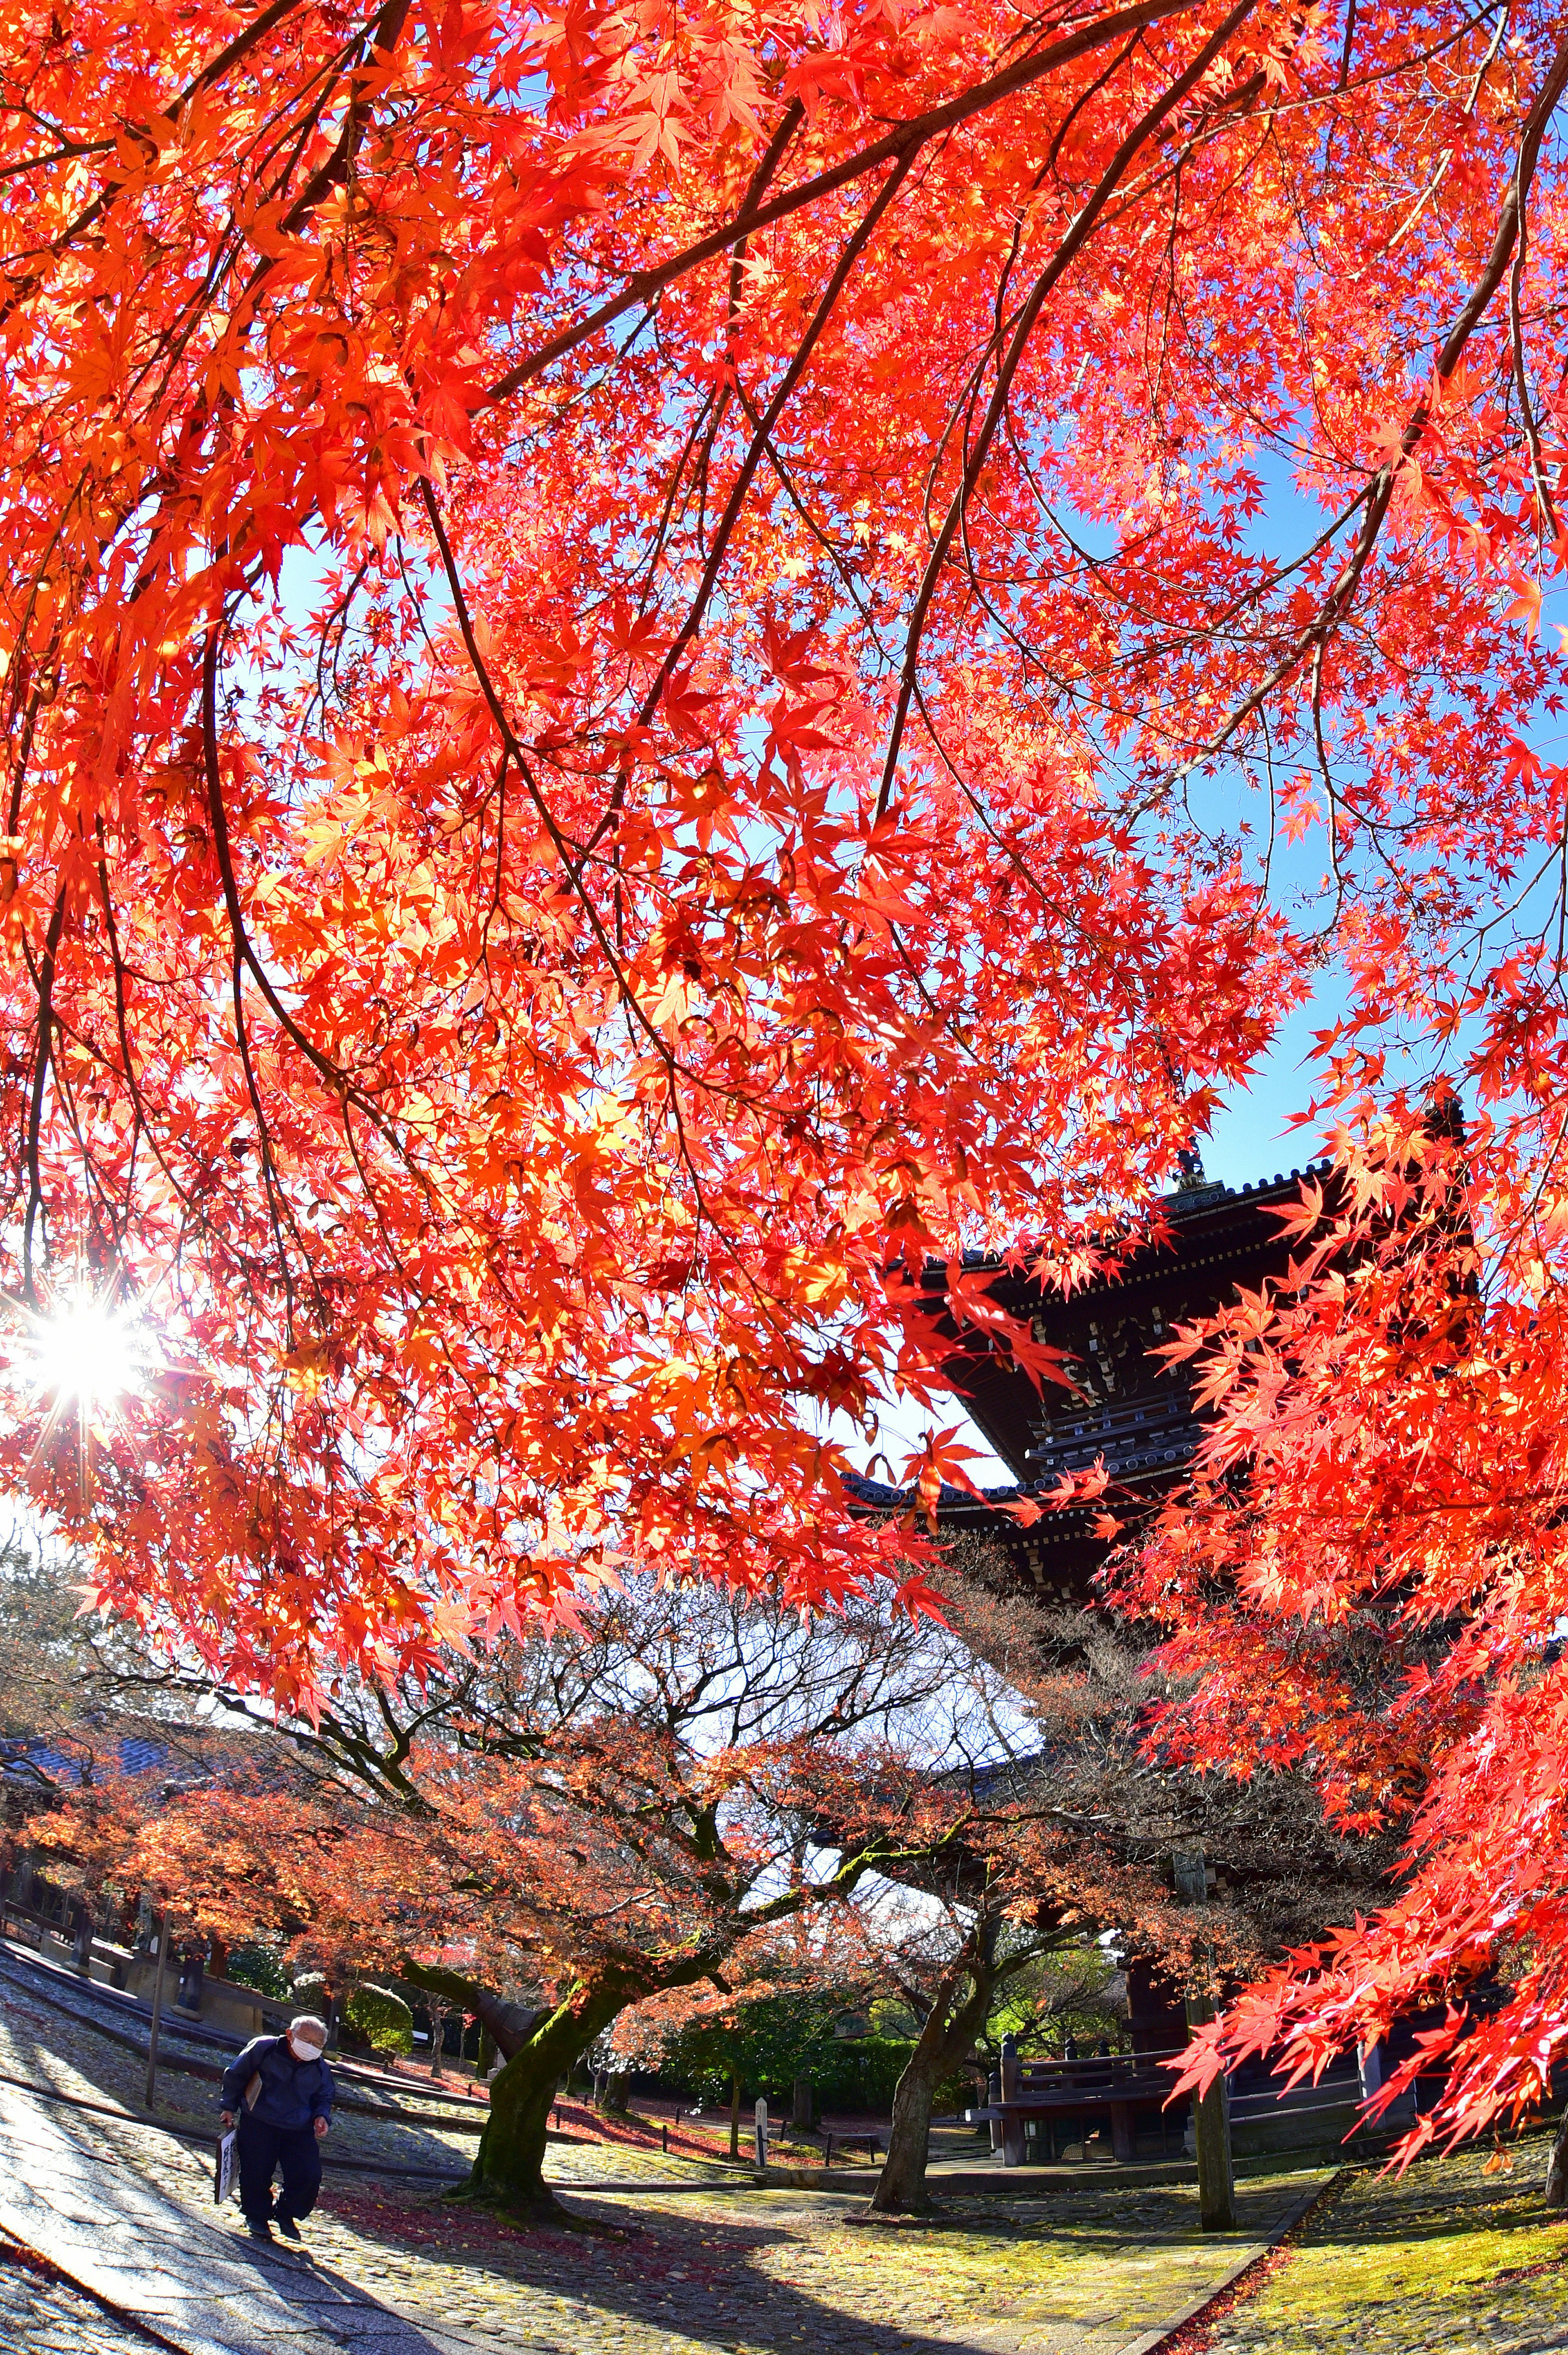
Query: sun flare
x,y
88,1353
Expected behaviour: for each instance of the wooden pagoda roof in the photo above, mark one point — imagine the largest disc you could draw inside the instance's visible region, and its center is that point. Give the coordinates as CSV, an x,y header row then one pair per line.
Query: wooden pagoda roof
x,y
1129,1406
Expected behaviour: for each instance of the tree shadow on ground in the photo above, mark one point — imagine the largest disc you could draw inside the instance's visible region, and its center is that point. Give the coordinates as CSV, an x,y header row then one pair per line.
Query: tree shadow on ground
x,y
704,2276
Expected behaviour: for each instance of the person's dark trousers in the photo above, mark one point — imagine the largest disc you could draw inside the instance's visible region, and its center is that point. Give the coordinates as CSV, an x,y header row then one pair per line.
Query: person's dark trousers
x,y
263,2149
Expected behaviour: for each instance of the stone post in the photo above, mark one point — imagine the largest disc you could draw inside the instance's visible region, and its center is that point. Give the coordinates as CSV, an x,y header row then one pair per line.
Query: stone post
x,y
188,1995
1400,2116
152,2085
762,2133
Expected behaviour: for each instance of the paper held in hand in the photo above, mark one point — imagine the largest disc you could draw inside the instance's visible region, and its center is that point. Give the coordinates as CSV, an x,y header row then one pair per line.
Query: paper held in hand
x,y
224,2172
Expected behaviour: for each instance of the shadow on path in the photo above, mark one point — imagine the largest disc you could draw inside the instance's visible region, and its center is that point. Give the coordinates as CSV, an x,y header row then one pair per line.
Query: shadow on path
x,y
91,2210
782,2280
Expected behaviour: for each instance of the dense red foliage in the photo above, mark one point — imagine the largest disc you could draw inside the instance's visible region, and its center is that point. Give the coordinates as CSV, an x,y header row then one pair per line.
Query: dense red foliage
x,y
655,661
1369,1579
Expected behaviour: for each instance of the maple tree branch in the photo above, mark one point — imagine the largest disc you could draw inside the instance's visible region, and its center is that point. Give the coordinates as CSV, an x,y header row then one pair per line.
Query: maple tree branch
x,y
569,854
1066,254
264,1141
64,154
334,172
633,1003
44,983
1492,47
904,139
337,1079
212,72
674,1070
122,1026
734,505
759,448
1350,43
232,52
1548,512
1378,493
142,1125
761,178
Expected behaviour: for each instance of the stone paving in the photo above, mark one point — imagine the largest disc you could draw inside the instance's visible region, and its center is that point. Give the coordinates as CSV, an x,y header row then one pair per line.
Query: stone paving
x,y
680,2262
670,2258
46,2317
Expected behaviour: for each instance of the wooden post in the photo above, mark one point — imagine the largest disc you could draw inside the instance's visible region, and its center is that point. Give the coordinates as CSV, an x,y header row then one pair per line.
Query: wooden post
x,y
1211,2137
1212,2111
1012,2128
151,2086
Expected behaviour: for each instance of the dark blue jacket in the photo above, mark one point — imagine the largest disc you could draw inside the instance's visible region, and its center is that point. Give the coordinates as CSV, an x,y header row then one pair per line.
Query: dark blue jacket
x,y
292,2092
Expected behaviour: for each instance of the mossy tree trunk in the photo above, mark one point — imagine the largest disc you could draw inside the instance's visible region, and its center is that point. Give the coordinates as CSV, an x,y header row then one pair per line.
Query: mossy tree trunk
x,y
509,2167
955,2019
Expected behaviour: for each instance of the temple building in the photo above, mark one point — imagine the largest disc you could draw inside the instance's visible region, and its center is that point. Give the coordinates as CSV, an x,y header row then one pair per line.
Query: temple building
x,y
1132,1407
1129,1405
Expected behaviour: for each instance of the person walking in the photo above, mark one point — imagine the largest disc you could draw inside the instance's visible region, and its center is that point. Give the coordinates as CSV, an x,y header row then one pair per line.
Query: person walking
x,y
280,2090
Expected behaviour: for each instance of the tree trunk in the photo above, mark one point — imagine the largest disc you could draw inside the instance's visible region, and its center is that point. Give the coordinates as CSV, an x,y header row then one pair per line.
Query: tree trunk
x,y
900,2187
735,2114
508,2165
1557,2172
803,2105
944,2040
617,2092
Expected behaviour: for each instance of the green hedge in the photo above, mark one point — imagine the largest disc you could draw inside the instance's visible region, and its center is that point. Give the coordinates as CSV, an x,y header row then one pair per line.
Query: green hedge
x,y
259,1967
859,2072
377,2017
771,2046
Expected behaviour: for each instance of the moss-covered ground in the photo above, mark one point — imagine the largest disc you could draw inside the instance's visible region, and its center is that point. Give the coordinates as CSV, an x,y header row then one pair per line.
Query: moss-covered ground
x,y
1447,2256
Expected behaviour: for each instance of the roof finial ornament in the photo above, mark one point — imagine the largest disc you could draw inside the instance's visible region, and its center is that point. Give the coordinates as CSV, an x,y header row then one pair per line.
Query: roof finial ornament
x,y
1194,1179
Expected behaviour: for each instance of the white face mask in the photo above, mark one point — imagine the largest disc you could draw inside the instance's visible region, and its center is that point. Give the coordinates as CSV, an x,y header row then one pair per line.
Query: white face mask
x,y
304,2051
